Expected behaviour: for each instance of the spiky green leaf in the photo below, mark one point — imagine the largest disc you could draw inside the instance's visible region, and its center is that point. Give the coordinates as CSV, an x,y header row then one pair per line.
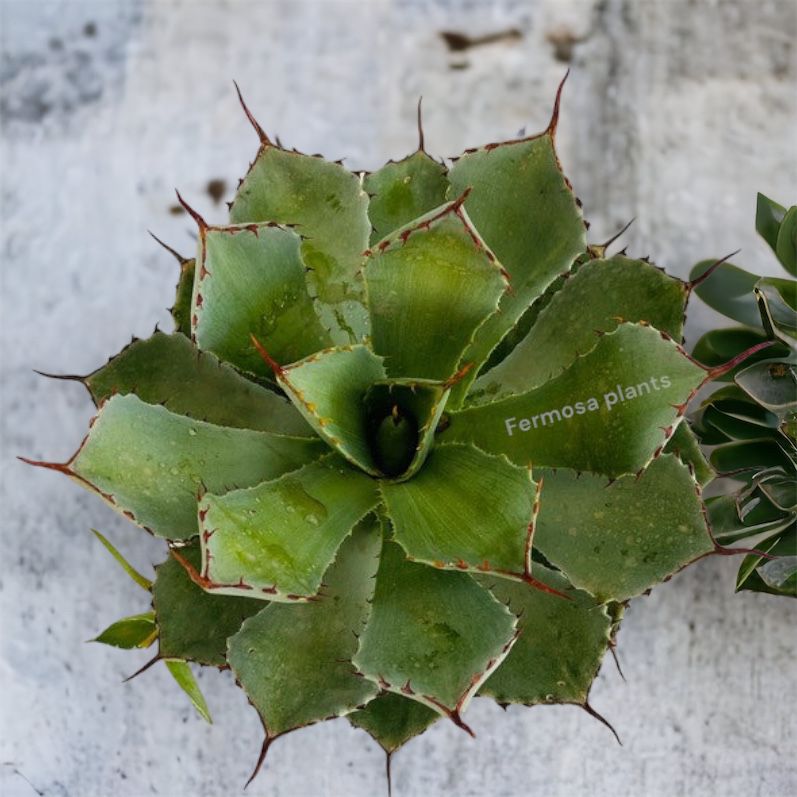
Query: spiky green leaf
x,y
181,310
329,389
275,541
600,295
439,516
429,287
685,445
560,645
392,720
150,463
329,208
402,191
170,370
617,540
251,281
609,412
433,635
194,624
294,661
523,207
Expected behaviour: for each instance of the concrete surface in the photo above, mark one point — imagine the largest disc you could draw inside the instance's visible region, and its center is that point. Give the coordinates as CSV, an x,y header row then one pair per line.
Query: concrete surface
x,y
676,113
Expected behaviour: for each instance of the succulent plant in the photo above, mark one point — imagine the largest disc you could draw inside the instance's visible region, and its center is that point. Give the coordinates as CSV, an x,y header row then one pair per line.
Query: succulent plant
x,y
751,422
413,440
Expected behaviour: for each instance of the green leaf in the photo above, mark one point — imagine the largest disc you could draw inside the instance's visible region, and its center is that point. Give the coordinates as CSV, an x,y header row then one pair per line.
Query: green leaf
x,y
728,527
597,297
142,581
728,290
560,645
170,370
438,516
768,218
329,208
775,576
721,345
420,401
772,384
734,426
293,661
523,207
149,463
402,191
686,447
251,281
392,720
181,673
329,389
429,287
181,310
786,245
194,624
777,302
433,635
617,540
137,631
609,412
275,541
762,453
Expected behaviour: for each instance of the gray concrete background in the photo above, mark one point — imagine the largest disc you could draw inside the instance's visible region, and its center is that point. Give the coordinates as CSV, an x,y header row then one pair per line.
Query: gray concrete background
x,y
676,113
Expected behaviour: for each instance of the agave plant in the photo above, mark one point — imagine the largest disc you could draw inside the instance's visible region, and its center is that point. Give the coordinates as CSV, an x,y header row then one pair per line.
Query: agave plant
x,y
751,422
413,440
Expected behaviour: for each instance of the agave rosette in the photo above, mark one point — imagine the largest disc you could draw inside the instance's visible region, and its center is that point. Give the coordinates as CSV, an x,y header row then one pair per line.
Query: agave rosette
x,y
412,440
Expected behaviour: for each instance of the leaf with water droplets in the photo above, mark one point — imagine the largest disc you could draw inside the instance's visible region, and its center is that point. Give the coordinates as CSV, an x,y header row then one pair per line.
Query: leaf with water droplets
x,y
151,463
294,661
275,541
251,281
433,635
617,540
608,413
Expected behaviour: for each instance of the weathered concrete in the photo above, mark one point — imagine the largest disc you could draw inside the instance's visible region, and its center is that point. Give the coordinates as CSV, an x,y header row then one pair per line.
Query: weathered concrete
x,y
676,113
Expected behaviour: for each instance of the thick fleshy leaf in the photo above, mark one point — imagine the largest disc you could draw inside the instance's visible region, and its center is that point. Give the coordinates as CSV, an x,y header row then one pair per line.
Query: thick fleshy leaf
x,y
776,575
170,370
421,402
617,540
777,302
181,672
685,445
294,662
194,624
524,208
772,384
439,516
433,635
760,519
728,290
429,287
560,645
402,191
142,581
137,631
150,463
330,209
768,218
746,454
251,281
721,345
275,541
786,245
392,720
600,295
609,412
329,389
181,310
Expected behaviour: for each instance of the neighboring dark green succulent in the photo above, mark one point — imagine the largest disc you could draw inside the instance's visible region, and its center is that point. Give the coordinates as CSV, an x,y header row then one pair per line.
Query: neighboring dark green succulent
x,y
752,421
338,441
